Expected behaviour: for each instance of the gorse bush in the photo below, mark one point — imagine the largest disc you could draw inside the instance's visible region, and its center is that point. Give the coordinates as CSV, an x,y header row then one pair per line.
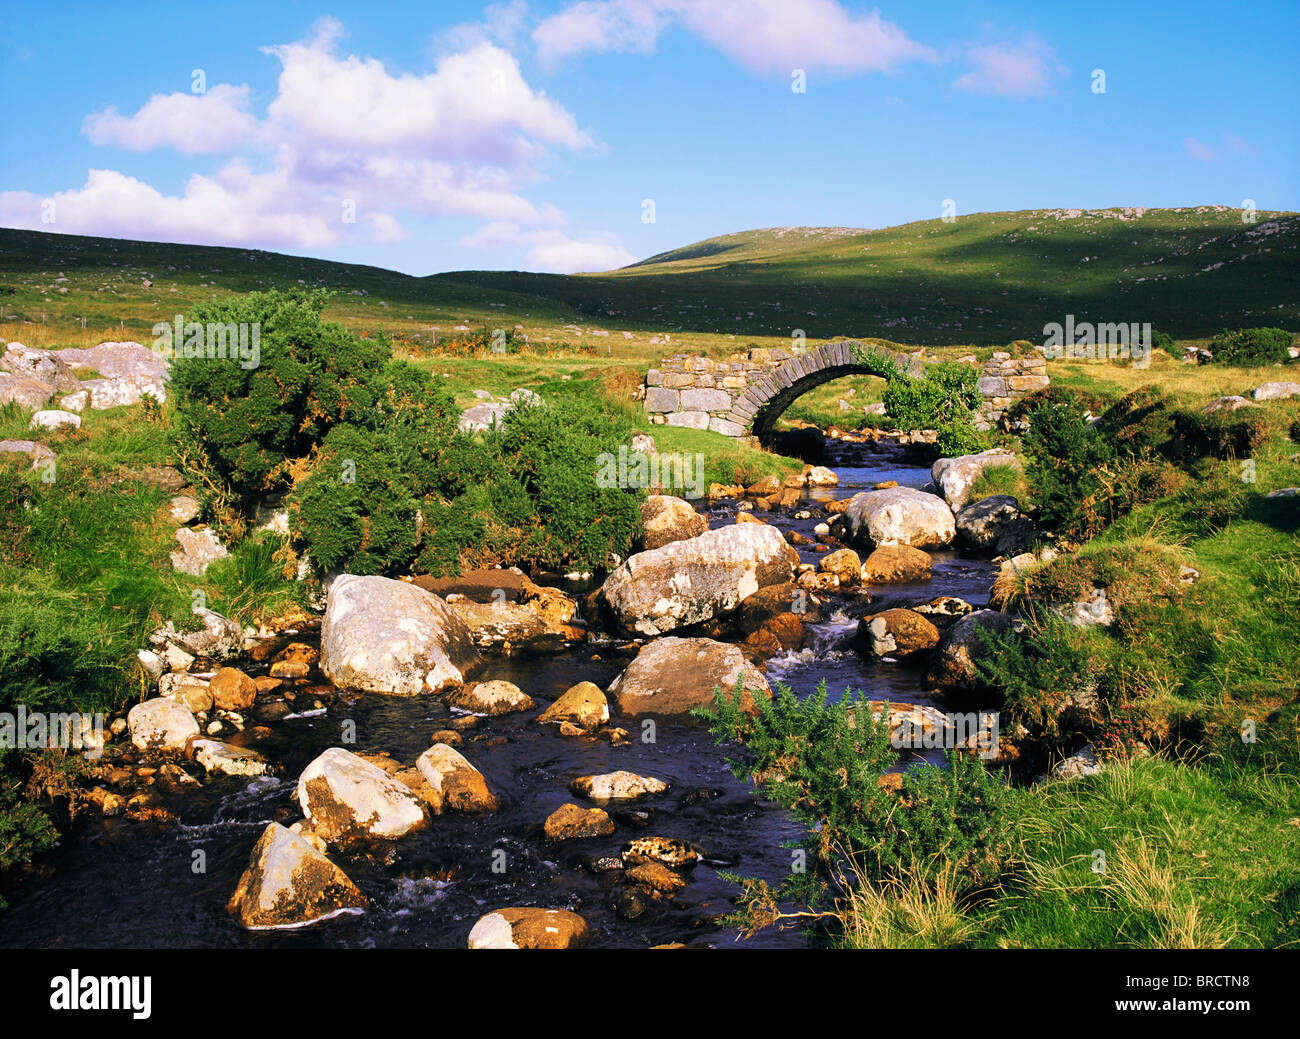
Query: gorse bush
x,y
1067,457
824,762
253,422
1035,672
381,479
945,398
1250,347
417,493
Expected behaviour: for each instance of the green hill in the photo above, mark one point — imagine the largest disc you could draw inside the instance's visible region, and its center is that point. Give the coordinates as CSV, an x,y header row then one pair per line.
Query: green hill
x,y
981,279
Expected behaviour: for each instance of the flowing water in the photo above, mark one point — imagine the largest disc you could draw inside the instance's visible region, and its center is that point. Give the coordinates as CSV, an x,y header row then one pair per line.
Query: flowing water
x,y
128,883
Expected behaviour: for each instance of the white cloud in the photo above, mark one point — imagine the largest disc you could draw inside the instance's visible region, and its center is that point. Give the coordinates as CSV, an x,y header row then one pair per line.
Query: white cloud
x,y
220,120
550,249
1024,69
764,36
342,135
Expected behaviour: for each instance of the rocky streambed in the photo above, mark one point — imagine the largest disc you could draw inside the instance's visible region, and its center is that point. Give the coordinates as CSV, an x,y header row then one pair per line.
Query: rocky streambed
x,y
438,820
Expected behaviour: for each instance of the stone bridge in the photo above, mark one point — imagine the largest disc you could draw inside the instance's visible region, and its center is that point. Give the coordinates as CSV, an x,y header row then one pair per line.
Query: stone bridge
x,y
747,393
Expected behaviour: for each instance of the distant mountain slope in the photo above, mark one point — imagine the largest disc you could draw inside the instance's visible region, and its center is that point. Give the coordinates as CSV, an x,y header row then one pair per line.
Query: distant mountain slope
x,y
983,278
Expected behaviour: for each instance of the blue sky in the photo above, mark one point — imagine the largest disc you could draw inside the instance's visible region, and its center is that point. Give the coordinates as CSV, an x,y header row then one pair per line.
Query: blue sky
x,y
528,135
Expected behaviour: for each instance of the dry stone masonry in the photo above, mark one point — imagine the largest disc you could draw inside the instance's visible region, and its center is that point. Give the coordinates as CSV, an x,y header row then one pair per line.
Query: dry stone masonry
x,y
747,392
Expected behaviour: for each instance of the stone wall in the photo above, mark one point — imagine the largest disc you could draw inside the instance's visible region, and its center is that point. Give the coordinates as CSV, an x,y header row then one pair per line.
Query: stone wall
x,y
1005,381
699,393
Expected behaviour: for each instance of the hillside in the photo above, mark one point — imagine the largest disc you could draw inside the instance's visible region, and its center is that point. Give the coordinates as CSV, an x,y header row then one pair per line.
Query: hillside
x,y
982,279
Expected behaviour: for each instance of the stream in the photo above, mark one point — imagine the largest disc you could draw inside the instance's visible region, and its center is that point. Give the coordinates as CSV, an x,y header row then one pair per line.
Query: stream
x,y
127,883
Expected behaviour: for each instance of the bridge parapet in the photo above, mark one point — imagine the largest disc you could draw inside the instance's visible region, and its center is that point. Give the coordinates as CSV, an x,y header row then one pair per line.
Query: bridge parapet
x,y
749,391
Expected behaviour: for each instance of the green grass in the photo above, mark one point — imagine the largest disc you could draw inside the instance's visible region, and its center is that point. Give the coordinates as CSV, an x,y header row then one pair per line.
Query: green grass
x,y
986,278
1195,856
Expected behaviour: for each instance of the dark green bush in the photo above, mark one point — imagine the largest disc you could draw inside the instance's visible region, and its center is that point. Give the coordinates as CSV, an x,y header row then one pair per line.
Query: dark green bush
x,y
1067,462
1140,422
824,761
1163,341
945,398
1066,396
416,493
1221,434
253,422
1249,347
1035,672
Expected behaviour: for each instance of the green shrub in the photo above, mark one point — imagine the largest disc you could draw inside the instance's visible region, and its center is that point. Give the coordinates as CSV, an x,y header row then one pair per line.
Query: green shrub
x,y
416,493
1163,341
1067,459
1221,434
1035,672
253,422
945,398
1066,396
824,762
50,658
1140,422
1250,347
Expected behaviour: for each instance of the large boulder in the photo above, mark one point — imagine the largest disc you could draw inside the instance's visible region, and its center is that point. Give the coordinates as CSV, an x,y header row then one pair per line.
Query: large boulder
x,y
953,668
899,516
844,563
526,928
461,785
895,564
666,519
688,582
289,883
232,690
897,633
984,523
344,797
955,476
161,724
387,636
1276,390
672,676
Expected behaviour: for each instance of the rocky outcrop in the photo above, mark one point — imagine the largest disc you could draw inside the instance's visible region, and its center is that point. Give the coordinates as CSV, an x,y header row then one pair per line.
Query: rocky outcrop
x,y
345,797
289,882
526,928
955,476
666,519
538,622
387,636
898,516
672,676
688,582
